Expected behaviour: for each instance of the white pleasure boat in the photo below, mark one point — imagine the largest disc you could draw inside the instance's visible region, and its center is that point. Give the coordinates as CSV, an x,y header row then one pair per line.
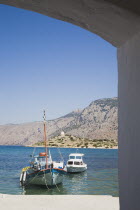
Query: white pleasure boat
x,y
75,163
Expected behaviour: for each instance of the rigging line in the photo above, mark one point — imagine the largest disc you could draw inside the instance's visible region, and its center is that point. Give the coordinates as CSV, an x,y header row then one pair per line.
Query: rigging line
x,y
32,154
45,139
60,154
46,182
60,129
34,151
32,179
56,185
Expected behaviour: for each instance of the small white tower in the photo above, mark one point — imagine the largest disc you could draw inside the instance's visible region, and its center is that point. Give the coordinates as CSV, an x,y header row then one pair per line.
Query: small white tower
x,y
62,134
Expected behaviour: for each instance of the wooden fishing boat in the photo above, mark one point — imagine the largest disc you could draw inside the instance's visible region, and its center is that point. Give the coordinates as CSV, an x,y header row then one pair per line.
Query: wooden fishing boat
x,y
43,170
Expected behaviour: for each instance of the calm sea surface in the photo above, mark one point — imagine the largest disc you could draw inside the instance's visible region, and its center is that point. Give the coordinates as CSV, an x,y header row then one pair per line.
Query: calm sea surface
x,y
101,178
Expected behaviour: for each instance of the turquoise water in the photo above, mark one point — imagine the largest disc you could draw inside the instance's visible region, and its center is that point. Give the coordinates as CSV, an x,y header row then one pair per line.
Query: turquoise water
x,y
101,178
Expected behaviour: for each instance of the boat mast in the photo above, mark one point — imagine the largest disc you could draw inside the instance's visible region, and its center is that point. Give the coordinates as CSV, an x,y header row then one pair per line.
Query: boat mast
x,y
45,139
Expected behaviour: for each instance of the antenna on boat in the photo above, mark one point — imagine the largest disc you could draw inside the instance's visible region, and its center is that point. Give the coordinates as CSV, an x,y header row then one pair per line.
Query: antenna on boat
x,y
45,138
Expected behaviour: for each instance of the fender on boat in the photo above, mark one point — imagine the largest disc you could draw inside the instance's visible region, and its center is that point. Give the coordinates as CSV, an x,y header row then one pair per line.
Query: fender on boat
x,y
24,176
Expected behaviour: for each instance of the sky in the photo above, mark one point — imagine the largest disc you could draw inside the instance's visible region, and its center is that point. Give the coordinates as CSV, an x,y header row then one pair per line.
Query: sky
x,y
50,64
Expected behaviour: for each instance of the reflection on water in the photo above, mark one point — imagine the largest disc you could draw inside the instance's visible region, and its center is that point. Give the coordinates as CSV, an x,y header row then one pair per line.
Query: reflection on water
x,y
73,182
101,178
84,183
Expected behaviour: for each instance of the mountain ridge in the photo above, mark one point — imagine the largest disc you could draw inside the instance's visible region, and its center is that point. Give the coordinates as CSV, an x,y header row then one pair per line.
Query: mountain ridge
x,y
99,120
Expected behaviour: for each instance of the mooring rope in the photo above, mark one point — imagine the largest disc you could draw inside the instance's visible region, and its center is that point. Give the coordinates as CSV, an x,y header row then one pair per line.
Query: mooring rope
x,y
46,181
31,179
56,185
54,180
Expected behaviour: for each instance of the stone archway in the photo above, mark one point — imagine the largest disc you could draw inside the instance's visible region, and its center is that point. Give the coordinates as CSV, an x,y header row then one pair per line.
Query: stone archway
x,y
107,18
118,22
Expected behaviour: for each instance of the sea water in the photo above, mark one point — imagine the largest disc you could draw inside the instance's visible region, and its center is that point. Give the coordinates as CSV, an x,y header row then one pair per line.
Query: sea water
x,y
101,177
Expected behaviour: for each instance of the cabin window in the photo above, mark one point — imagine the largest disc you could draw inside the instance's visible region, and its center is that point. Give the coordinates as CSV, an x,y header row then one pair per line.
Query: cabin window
x,y
78,157
72,157
70,162
42,159
76,163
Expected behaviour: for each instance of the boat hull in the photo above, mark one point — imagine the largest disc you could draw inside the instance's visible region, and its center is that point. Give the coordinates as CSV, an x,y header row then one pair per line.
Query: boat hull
x,y
76,169
47,177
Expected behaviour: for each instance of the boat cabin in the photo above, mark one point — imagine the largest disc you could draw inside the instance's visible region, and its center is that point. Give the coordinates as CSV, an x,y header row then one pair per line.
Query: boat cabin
x,y
39,161
75,159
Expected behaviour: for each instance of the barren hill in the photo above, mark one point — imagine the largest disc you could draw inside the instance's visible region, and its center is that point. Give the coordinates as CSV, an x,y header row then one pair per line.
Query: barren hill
x,y
97,121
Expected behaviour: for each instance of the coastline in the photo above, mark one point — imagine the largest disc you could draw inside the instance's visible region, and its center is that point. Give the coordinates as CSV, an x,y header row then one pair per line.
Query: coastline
x,y
69,141
71,147
59,147
59,202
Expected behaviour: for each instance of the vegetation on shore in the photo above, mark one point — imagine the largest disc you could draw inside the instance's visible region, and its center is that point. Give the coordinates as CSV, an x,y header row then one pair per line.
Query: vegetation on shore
x,y
77,142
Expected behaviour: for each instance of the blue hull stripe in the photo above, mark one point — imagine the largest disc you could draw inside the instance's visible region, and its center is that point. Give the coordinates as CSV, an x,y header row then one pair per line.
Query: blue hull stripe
x,y
42,172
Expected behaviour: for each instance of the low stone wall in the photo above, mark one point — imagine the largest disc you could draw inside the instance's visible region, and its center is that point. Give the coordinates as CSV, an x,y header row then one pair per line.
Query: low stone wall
x,y
59,202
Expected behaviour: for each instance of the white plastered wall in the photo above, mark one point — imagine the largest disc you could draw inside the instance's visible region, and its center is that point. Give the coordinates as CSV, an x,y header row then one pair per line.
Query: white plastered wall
x,y
129,123
117,26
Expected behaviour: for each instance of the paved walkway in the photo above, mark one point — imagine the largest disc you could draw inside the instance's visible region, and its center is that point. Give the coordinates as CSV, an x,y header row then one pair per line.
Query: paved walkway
x,y
58,202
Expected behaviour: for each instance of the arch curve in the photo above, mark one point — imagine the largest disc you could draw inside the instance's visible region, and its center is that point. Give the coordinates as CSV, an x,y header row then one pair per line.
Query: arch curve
x,y
113,21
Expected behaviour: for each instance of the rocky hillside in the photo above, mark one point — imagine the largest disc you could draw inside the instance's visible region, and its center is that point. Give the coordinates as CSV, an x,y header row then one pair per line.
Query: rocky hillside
x,y
69,141
97,121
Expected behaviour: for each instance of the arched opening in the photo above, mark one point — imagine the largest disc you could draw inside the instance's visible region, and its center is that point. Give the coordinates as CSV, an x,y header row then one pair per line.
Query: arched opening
x,y
120,27
110,20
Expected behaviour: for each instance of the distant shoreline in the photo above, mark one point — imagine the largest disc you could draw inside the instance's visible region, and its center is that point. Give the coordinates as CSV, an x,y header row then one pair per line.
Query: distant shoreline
x,y
59,147
69,141
72,147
